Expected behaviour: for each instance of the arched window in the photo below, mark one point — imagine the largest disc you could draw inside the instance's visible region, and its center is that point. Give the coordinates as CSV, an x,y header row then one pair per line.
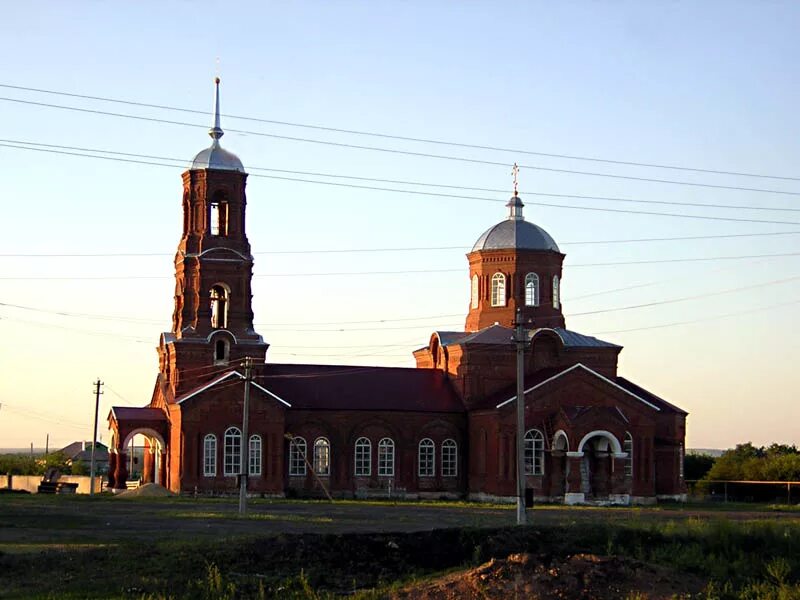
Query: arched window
x,y
233,451
498,289
534,452
219,215
531,289
427,458
297,457
556,292
474,302
627,446
254,455
322,457
210,455
219,307
363,457
449,458
386,458
221,350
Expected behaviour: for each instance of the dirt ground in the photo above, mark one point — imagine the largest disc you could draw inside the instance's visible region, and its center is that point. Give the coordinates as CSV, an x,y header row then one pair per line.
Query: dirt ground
x,y
544,577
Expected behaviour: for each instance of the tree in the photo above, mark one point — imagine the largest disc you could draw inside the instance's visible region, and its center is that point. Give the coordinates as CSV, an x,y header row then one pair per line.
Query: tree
x,y
695,466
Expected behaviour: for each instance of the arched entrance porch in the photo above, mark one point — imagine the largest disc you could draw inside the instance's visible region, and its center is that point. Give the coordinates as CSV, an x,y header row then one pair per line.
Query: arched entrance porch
x,y
596,471
126,423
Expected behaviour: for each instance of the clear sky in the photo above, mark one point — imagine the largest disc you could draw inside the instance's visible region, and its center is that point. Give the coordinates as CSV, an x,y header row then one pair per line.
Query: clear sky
x,y
709,85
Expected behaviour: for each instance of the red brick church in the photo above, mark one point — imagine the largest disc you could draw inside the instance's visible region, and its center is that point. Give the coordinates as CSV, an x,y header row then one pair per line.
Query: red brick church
x,y
446,428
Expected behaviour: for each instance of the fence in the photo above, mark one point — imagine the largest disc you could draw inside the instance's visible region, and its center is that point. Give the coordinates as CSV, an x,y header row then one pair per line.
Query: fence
x,y
724,490
30,483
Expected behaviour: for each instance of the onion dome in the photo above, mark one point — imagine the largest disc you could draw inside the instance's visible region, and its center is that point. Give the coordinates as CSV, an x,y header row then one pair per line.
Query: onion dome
x,y
215,156
516,233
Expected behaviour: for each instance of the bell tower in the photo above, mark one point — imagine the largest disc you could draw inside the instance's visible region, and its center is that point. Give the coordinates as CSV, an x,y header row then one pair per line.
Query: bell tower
x,y
212,322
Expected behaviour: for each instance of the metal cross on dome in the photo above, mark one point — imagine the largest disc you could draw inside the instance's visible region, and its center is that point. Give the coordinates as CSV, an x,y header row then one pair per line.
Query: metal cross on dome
x,y
515,172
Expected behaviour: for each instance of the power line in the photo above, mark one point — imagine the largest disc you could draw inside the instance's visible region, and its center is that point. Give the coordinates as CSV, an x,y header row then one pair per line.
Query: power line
x,y
406,138
407,249
403,152
685,298
701,320
399,272
432,194
406,182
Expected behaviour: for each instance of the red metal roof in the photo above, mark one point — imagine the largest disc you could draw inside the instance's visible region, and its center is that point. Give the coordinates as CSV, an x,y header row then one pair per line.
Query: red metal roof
x,y
127,413
335,387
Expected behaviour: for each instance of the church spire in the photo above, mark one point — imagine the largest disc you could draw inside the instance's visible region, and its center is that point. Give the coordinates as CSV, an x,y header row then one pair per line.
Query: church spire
x,y
216,131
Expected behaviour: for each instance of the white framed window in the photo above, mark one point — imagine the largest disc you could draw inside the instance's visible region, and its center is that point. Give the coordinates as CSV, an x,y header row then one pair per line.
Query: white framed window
x,y
363,457
474,302
297,457
449,458
534,452
426,463
233,451
681,459
386,458
254,456
210,455
531,289
498,289
219,307
556,292
627,446
322,456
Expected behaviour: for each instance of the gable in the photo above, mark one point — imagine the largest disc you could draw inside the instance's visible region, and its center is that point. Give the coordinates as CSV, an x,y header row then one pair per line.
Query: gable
x,y
584,370
226,377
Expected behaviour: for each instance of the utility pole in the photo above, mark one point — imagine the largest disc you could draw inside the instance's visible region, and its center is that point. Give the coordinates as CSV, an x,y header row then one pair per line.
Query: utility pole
x,y
520,339
244,467
97,394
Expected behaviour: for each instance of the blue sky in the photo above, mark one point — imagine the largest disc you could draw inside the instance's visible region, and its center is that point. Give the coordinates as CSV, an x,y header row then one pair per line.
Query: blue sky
x,y
711,86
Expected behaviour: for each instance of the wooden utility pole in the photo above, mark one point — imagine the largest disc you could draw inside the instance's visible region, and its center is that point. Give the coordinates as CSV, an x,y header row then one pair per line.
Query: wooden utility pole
x,y
244,467
520,339
97,394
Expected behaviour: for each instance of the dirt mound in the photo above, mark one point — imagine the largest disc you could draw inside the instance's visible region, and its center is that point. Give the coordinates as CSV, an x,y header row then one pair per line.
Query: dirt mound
x,y
584,576
148,490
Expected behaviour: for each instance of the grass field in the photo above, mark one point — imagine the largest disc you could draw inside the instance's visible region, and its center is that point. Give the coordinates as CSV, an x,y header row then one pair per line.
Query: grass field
x,y
103,547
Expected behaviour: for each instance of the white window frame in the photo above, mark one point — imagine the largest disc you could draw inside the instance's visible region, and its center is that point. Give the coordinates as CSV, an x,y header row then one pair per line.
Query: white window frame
x,y
556,292
426,458
210,455
449,458
475,288
322,457
386,457
297,457
534,452
362,457
498,289
627,446
254,456
531,289
233,452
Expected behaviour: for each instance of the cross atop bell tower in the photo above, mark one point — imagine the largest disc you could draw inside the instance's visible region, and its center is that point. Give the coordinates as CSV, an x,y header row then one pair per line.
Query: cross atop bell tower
x,y
212,323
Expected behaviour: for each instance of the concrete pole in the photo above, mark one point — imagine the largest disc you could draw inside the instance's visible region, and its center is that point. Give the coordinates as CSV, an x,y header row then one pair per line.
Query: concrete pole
x,y
245,454
97,393
520,339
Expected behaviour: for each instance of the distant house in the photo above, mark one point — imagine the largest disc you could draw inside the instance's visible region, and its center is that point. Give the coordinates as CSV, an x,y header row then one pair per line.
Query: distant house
x,y
82,452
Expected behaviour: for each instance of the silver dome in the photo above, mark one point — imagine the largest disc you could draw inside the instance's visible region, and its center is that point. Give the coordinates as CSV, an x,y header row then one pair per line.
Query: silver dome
x,y
516,232
216,157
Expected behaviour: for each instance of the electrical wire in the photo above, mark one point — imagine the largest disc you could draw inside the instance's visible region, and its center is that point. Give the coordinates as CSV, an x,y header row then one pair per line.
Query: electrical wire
x,y
403,138
432,194
34,146
397,151
407,249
